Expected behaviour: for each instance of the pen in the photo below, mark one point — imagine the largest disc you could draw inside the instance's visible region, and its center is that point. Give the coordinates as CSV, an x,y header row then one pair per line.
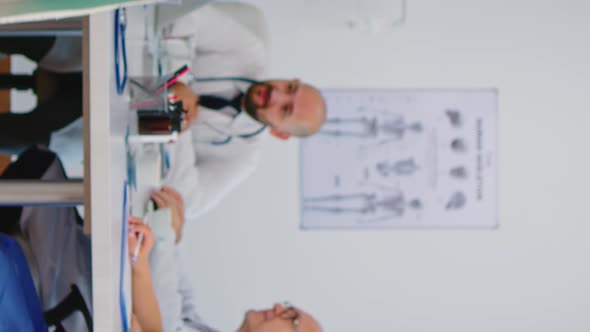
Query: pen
x,y
173,78
137,246
149,209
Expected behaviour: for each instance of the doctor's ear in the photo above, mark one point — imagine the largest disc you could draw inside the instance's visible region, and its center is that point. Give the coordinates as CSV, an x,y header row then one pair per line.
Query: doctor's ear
x,y
279,134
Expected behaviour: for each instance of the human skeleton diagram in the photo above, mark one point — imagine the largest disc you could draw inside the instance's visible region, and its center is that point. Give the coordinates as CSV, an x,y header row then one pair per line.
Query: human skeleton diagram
x,y
458,172
455,117
370,207
400,167
384,127
457,201
458,145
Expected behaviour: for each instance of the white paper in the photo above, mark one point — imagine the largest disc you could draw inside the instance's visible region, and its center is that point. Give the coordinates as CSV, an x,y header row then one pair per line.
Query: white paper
x,y
402,159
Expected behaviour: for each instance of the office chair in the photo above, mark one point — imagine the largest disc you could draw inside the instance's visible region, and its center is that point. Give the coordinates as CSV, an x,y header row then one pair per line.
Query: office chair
x,y
42,82
69,305
19,303
19,82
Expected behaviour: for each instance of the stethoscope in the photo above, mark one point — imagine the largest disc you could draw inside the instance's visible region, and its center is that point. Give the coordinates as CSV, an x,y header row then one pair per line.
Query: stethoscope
x,y
120,27
193,78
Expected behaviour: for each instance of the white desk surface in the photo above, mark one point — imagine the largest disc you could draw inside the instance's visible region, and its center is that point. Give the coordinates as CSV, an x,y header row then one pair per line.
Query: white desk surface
x,y
107,118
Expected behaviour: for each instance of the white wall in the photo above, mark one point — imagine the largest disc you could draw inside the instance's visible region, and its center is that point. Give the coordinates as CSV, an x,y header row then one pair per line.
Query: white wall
x,y
533,274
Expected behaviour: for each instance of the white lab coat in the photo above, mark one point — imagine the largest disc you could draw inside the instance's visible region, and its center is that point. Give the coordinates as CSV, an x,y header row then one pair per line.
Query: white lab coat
x,y
170,281
225,44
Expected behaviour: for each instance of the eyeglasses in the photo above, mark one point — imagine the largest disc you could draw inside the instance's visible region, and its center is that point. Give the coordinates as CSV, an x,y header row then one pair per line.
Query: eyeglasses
x,y
291,314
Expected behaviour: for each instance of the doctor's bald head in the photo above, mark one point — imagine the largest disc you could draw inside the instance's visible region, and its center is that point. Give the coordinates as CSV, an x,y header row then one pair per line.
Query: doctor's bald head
x,y
288,107
279,318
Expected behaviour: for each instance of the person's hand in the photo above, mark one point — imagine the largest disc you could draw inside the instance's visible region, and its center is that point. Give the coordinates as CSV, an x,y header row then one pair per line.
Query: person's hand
x,y
135,327
136,227
191,109
170,198
190,103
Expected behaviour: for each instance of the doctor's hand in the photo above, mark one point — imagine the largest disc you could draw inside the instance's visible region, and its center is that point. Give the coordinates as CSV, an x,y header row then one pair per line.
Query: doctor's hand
x,y
137,227
190,115
190,103
170,198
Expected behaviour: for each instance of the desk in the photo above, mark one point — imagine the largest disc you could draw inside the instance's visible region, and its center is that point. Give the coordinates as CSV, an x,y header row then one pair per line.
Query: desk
x,y
106,117
105,120
104,154
68,27
104,169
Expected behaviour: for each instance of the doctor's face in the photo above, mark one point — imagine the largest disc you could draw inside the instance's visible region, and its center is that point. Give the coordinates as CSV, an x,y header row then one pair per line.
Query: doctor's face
x,y
280,318
289,107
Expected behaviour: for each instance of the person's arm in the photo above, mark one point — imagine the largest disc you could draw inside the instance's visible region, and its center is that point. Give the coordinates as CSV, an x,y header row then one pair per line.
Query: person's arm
x,y
189,305
215,171
144,302
232,39
164,265
172,290
168,198
170,281
228,39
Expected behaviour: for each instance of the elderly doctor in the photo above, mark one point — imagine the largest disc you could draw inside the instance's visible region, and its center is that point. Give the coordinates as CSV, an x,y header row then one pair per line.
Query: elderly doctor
x,y
174,292
229,107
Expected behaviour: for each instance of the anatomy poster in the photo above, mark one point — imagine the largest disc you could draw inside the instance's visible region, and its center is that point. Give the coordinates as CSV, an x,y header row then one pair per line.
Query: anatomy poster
x,y
402,159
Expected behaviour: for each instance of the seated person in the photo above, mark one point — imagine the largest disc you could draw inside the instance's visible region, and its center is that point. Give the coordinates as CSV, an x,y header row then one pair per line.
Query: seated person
x,y
229,102
59,54
173,289
172,285
19,302
174,294
59,83
226,114
177,303
59,254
